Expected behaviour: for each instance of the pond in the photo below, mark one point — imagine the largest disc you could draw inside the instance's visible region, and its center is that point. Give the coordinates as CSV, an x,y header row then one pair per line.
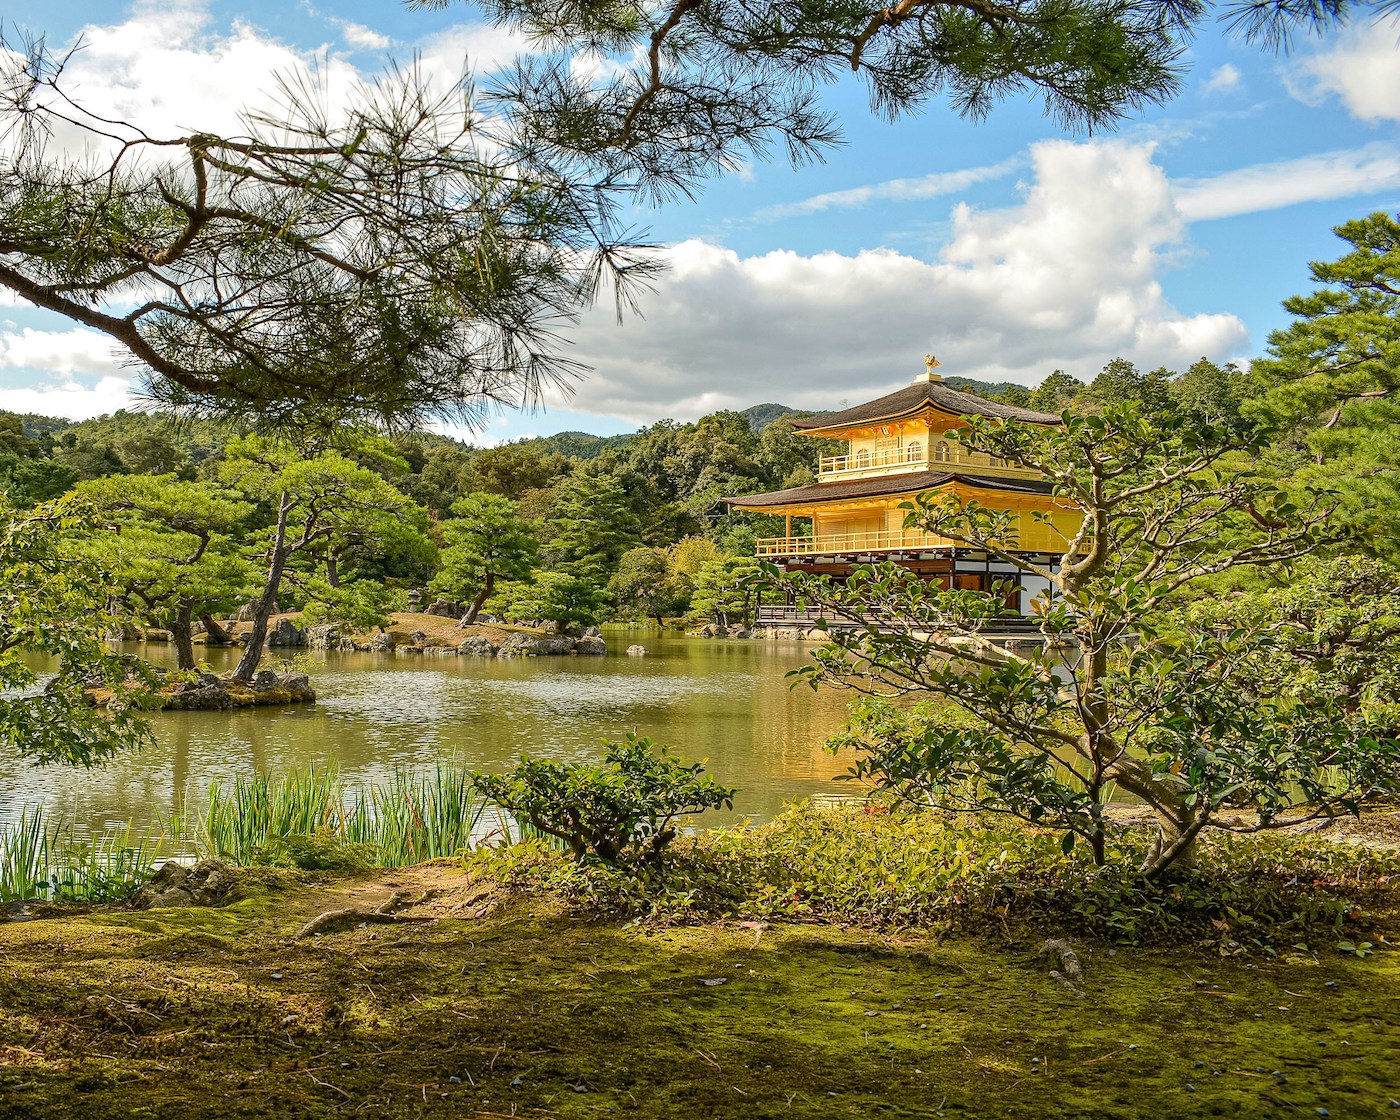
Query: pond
x,y
725,701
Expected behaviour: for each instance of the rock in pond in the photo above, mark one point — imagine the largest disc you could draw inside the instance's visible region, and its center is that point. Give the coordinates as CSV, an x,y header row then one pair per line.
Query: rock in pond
x,y
285,635
591,647
636,651
476,647
382,642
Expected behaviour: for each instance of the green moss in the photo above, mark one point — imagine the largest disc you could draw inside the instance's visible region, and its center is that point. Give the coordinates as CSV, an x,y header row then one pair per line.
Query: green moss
x,y
540,1013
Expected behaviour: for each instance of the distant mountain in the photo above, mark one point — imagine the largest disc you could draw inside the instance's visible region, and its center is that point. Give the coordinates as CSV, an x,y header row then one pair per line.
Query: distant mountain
x,y
760,416
580,445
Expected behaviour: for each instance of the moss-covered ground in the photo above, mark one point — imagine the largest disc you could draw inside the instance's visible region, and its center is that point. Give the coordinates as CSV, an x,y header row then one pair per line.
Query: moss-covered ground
x,y
496,1006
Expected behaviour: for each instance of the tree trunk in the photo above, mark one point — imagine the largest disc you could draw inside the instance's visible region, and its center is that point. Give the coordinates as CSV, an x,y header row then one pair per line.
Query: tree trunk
x,y
332,568
1174,846
214,634
481,597
182,632
266,602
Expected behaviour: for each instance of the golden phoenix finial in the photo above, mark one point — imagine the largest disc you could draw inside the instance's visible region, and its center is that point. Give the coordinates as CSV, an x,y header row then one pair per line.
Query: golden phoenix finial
x,y
931,363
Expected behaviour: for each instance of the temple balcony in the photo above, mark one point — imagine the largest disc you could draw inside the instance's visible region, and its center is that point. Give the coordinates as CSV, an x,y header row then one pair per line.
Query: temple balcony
x,y
943,455
827,544
1033,536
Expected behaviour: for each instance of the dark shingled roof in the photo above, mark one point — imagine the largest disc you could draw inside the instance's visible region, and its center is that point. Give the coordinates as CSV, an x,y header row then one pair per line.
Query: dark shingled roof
x,y
884,485
915,397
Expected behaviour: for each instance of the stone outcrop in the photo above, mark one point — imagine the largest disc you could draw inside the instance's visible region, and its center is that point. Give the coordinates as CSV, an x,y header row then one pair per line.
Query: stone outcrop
x,y
207,883
324,635
215,694
285,635
530,645
245,612
591,647
444,608
383,642
477,647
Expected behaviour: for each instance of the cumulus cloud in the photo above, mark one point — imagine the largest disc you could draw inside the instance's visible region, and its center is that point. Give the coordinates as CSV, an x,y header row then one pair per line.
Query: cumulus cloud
x,y
70,398
892,190
1268,186
1361,65
71,351
1067,278
73,373
1222,79
478,46
360,37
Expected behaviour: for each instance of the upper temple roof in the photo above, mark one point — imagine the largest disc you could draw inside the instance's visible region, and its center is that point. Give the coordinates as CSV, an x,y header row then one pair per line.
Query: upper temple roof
x,y
886,485
916,397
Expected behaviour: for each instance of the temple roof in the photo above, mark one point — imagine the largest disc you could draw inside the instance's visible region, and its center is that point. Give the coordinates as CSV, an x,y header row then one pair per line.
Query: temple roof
x,y
885,485
916,397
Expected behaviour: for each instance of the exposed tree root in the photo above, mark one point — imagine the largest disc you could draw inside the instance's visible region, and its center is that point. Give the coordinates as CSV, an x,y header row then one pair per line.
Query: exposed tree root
x,y
1070,973
383,914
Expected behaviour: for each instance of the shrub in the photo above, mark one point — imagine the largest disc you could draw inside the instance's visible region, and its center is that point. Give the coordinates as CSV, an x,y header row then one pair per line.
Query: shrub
x,y
621,810
905,869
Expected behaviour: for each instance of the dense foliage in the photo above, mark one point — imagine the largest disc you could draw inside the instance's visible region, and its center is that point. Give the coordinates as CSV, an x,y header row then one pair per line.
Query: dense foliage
x,y
621,810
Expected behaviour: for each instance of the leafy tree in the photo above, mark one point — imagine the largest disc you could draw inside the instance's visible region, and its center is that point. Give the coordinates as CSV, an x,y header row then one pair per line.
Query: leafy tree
x,y
1057,392
1332,377
1120,382
1193,722
512,468
174,554
360,606
557,597
726,591
54,603
592,526
316,496
374,263
1210,393
27,475
486,541
1330,634
643,585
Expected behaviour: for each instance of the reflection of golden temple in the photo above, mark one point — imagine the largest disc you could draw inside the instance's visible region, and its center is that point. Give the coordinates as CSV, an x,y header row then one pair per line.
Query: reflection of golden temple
x,y
897,447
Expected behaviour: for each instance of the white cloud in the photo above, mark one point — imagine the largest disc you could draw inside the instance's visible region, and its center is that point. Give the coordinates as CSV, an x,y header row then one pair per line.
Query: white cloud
x,y
1361,65
1067,279
478,46
70,398
55,370
1223,79
894,190
360,37
167,69
1268,186
71,351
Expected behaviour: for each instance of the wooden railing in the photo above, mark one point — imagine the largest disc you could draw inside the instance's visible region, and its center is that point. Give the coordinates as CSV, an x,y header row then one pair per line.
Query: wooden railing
x,y
804,618
944,454
885,541
864,461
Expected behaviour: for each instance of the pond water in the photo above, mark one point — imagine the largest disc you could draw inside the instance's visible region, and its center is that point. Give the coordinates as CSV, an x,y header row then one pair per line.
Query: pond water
x,y
725,701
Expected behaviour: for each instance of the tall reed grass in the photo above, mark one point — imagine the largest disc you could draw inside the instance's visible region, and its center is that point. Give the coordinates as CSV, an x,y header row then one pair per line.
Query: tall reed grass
x,y
306,818
42,859
407,819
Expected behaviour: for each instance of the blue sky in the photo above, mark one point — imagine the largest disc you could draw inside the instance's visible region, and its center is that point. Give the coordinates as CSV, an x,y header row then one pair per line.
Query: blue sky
x,y
1009,248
